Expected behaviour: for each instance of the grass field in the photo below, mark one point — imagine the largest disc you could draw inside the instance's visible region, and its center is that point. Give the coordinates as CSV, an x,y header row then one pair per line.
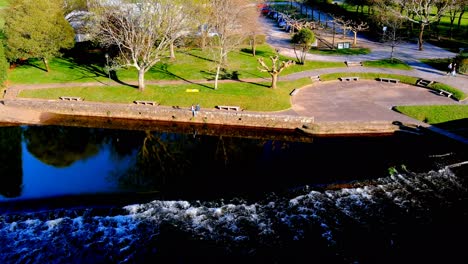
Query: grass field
x,y
435,114
387,63
254,97
189,65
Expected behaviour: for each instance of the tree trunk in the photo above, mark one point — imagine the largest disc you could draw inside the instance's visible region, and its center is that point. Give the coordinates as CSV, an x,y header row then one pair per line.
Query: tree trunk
x,y
171,49
460,18
452,20
274,80
391,53
421,32
141,80
254,44
218,69
46,64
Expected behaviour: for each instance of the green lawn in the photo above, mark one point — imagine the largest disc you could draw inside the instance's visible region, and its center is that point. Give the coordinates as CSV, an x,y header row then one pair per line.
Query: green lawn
x,y
388,63
250,96
435,114
189,65
351,51
453,118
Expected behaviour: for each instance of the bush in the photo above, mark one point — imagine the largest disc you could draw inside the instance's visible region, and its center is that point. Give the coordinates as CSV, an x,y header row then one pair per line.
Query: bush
x,y
463,65
3,65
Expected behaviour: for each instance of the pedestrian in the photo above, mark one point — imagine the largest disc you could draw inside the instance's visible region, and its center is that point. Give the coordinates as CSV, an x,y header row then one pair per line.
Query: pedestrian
x,y
192,108
449,68
454,69
197,109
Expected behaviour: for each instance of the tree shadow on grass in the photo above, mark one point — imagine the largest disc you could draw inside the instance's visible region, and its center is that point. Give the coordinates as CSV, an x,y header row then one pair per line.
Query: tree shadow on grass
x,y
228,75
164,69
196,56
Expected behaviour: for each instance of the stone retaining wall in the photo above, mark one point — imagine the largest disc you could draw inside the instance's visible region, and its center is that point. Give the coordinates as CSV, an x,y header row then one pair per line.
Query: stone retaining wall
x,y
163,113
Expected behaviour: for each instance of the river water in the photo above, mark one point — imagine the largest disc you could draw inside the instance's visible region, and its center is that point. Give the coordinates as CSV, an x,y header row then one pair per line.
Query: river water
x,y
184,194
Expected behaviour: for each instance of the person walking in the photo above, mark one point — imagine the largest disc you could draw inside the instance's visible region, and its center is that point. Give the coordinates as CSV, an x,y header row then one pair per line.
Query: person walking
x,y
454,69
192,108
197,109
449,68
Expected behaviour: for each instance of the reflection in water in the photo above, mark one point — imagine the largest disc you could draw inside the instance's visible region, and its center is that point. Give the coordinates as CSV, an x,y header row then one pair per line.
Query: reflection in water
x,y
402,218
11,169
61,146
227,199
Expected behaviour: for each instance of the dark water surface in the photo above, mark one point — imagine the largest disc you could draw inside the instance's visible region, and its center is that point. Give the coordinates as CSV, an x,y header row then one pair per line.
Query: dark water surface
x,y
184,194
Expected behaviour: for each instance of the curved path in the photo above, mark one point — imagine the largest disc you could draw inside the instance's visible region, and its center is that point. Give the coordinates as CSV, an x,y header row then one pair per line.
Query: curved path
x,y
331,101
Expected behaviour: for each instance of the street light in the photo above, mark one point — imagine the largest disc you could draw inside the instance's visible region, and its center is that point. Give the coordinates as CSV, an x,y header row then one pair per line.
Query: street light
x,y
107,65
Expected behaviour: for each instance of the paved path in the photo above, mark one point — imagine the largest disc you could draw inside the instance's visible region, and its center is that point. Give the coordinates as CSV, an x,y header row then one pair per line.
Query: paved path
x,y
406,52
335,101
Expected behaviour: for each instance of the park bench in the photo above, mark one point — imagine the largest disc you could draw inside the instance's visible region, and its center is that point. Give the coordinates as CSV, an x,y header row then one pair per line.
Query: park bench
x,y
315,78
390,80
353,63
70,98
228,107
349,78
138,102
442,92
424,83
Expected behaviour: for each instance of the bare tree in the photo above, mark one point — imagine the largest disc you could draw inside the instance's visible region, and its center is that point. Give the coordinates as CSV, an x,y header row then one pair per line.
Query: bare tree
x,y
345,24
181,21
275,68
356,27
141,32
454,8
226,18
391,36
418,12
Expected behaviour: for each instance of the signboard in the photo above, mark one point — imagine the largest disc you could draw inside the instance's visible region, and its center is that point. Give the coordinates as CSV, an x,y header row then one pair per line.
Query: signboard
x,y
343,45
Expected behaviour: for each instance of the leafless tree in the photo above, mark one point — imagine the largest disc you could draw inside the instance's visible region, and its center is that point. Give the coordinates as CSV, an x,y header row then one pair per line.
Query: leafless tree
x,y
417,11
391,36
344,23
142,32
454,8
356,27
275,69
227,18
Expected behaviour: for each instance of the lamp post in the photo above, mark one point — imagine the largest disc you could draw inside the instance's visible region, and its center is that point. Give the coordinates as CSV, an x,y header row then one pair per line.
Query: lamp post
x,y
107,65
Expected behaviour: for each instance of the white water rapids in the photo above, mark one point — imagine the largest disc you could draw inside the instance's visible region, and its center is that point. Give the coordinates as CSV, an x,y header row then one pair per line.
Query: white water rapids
x,y
329,217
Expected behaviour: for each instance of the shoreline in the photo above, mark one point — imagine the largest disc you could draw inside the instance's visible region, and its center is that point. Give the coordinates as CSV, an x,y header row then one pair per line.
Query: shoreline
x,y
50,112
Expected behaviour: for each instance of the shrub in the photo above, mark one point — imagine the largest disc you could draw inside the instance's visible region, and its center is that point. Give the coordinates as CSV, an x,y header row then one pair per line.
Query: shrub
x,y
463,65
3,65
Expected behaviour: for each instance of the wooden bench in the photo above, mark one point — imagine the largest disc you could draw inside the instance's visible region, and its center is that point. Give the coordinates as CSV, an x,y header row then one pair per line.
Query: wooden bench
x,y
390,80
353,63
145,102
442,92
70,98
228,107
348,78
315,78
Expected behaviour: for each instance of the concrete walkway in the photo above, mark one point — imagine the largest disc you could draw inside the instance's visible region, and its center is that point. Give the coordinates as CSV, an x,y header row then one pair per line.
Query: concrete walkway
x,y
355,101
407,52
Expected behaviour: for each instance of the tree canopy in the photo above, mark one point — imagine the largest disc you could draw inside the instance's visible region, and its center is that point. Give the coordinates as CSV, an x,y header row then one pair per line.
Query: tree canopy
x,y
37,29
141,32
303,39
3,64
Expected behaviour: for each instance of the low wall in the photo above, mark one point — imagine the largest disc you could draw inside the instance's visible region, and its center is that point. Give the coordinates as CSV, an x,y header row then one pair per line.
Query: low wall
x,y
163,113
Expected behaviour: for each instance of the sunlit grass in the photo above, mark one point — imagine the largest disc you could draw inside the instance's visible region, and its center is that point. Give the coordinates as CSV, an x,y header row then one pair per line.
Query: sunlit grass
x,y
190,64
250,96
388,63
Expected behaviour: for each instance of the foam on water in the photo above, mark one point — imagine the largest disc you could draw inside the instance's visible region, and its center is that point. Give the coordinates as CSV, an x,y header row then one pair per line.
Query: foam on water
x,y
82,234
